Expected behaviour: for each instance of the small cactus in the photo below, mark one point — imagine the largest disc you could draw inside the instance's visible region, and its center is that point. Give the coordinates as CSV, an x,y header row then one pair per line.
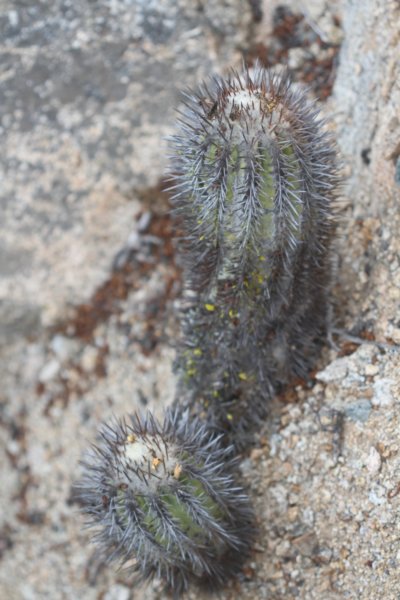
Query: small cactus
x,y
164,495
254,187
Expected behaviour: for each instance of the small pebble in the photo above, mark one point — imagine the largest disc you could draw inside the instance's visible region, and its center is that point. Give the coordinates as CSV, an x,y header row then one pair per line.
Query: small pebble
x,y
134,242
256,453
359,410
337,370
13,18
394,333
371,370
293,513
13,448
382,392
89,359
64,347
374,461
118,592
283,548
49,371
144,221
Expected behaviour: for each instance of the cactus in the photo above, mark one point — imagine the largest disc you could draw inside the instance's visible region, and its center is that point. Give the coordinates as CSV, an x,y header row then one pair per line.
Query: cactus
x,y
254,189
164,495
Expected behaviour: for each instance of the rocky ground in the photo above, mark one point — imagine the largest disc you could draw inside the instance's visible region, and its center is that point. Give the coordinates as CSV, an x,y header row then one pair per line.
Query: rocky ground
x,y
89,284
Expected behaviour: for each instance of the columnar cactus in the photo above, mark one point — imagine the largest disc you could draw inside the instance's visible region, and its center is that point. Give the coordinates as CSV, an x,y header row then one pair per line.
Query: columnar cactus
x,y
254,187
164,495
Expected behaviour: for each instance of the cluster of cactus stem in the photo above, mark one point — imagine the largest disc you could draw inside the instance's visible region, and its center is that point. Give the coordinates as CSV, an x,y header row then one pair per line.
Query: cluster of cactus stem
x,y
254,188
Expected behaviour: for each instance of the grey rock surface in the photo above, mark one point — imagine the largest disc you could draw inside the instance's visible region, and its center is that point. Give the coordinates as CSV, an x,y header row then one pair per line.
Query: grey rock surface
x,y
88,93
88,287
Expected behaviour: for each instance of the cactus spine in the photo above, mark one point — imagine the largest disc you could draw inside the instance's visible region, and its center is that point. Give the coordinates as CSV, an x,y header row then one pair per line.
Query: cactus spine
x,y
255,181
164,494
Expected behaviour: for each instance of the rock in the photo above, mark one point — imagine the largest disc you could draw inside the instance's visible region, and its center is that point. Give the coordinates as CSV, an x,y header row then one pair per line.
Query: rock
x,y
64,348
374,461
118,592
49,371
89,358
89,97
358,410
383,392
306,544
335,371
371,370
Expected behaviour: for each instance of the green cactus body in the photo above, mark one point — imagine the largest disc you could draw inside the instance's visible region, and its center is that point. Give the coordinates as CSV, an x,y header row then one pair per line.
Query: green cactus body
x,y
255,180
165,495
